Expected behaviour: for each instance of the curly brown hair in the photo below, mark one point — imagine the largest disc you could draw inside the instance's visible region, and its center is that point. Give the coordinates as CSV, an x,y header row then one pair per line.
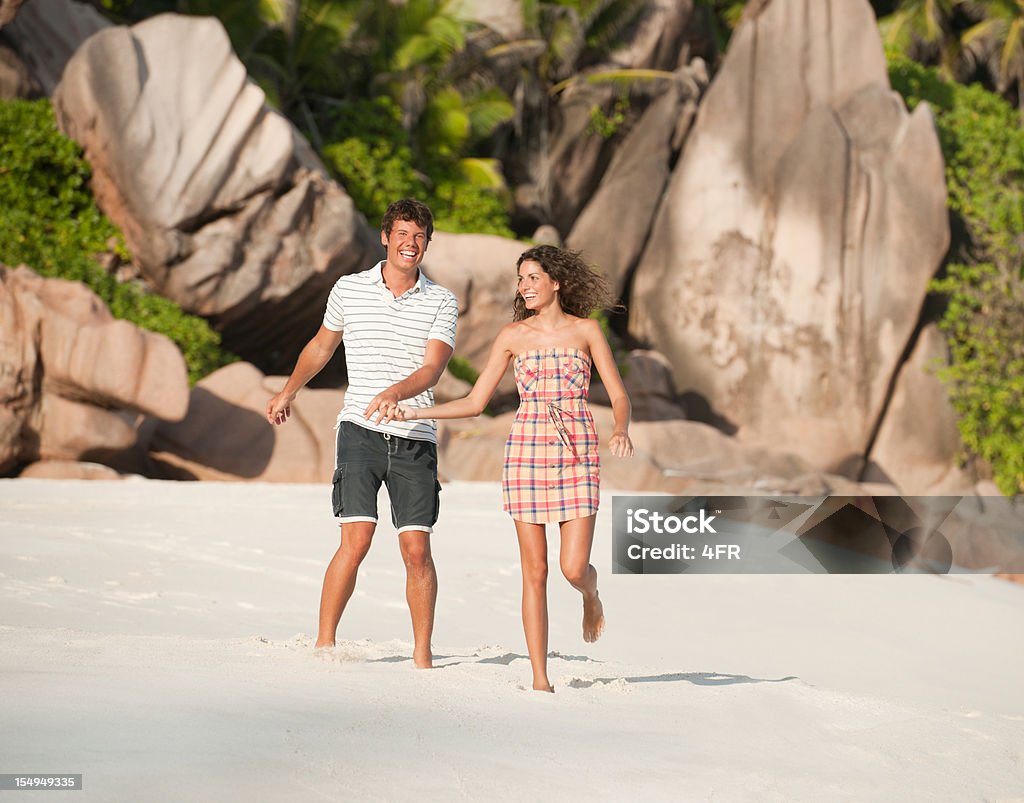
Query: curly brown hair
x,y
581,289
411,210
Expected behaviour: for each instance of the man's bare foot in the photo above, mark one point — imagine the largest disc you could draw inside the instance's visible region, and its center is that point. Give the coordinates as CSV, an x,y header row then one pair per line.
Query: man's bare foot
x,y
323,645
423,660
593,618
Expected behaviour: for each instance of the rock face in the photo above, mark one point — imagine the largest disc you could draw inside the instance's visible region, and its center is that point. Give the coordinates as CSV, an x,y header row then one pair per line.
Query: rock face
x,y
655,40
671,457
659,37
69,470
226,435
46,34
15,79
73,380
918,442
788,263
223,204
502,16
8,8
631,189
647,377
576,157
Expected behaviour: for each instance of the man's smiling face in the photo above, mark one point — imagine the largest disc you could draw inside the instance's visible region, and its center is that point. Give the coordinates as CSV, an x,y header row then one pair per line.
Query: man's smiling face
x,y
406,244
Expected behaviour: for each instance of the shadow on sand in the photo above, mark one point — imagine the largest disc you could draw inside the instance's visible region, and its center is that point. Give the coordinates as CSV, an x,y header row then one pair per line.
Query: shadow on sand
x,y
696,678
504,660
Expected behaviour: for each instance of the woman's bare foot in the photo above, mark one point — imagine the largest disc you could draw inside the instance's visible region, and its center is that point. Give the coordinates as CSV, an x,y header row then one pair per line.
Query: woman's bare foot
x,y
593,618
543,685
326,645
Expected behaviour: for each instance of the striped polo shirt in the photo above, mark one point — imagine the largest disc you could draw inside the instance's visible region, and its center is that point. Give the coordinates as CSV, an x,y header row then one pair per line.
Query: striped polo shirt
x,y
386,339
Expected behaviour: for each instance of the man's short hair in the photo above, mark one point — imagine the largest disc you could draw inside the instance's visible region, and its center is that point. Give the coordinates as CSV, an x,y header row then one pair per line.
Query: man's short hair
x,y
412,210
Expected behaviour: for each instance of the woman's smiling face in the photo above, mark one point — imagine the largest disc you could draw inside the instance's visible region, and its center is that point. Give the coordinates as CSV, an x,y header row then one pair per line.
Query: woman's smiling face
x,y
536,287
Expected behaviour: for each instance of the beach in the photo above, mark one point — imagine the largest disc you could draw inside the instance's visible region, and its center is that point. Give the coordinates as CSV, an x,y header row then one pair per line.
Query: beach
x,y
158,640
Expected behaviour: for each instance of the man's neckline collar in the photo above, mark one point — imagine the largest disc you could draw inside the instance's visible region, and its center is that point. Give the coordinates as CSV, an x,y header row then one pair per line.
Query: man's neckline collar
x,y
419,287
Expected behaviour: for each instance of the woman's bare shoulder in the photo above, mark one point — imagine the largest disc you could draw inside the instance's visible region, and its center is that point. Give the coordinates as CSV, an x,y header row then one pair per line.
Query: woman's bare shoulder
x,y
513,331
587,326
511,335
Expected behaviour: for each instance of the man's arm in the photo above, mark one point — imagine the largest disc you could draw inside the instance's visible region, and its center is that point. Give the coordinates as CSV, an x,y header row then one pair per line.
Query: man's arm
x,y
435,360
313,358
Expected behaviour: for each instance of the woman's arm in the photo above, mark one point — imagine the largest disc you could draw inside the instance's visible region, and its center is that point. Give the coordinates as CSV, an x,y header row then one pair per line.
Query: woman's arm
x,y
472,405
601,353
435,360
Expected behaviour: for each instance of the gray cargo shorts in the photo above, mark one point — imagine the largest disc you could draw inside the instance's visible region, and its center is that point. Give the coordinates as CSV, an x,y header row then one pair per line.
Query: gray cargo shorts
x,y
408,467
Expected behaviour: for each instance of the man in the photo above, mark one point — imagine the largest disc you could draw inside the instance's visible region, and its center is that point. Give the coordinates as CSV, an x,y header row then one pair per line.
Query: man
x,y
399,332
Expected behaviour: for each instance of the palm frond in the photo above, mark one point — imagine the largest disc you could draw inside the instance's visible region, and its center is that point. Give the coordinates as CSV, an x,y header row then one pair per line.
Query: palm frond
x,y
624,76
485,173
896,30
487,110
1011,61
522,50
609,20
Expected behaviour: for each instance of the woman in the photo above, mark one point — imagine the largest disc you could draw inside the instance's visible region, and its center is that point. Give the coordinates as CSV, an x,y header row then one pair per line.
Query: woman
x,y
551,457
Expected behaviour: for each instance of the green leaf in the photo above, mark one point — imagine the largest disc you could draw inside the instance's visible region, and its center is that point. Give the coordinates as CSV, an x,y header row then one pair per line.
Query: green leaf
x,y
484,173
50,222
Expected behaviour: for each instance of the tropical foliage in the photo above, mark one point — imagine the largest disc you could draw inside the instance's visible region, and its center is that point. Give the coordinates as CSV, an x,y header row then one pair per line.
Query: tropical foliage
x,y
372,155
720,18
406,98
562,44
50,222
966,39
981,43
983,279
396,97
996,41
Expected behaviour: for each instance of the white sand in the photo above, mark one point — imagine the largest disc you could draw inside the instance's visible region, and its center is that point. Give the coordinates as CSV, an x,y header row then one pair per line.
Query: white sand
x,y
156,637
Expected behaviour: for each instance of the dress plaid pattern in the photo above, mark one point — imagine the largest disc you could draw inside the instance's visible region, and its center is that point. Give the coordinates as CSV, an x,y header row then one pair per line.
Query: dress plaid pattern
x,y
552,469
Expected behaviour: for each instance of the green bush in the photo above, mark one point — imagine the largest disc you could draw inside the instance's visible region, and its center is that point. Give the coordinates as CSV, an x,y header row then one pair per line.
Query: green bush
x,y
51,223
984,324
463,369
463,207
371,154
983,280
371,157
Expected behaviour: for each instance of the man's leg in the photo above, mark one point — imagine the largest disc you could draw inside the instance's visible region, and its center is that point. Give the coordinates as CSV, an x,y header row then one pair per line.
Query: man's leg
x,y
413,492
340,578
420,592
359,470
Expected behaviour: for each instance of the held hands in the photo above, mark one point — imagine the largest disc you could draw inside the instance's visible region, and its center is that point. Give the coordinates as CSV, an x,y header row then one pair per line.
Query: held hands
x,y
620,444
384,406
398,412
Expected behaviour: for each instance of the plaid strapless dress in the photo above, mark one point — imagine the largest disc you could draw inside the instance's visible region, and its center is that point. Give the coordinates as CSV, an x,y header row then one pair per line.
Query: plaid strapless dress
x,y
552,468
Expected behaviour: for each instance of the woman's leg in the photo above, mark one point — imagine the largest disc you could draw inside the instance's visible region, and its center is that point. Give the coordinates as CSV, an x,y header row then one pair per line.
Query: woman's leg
x,y
574,558
533,557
